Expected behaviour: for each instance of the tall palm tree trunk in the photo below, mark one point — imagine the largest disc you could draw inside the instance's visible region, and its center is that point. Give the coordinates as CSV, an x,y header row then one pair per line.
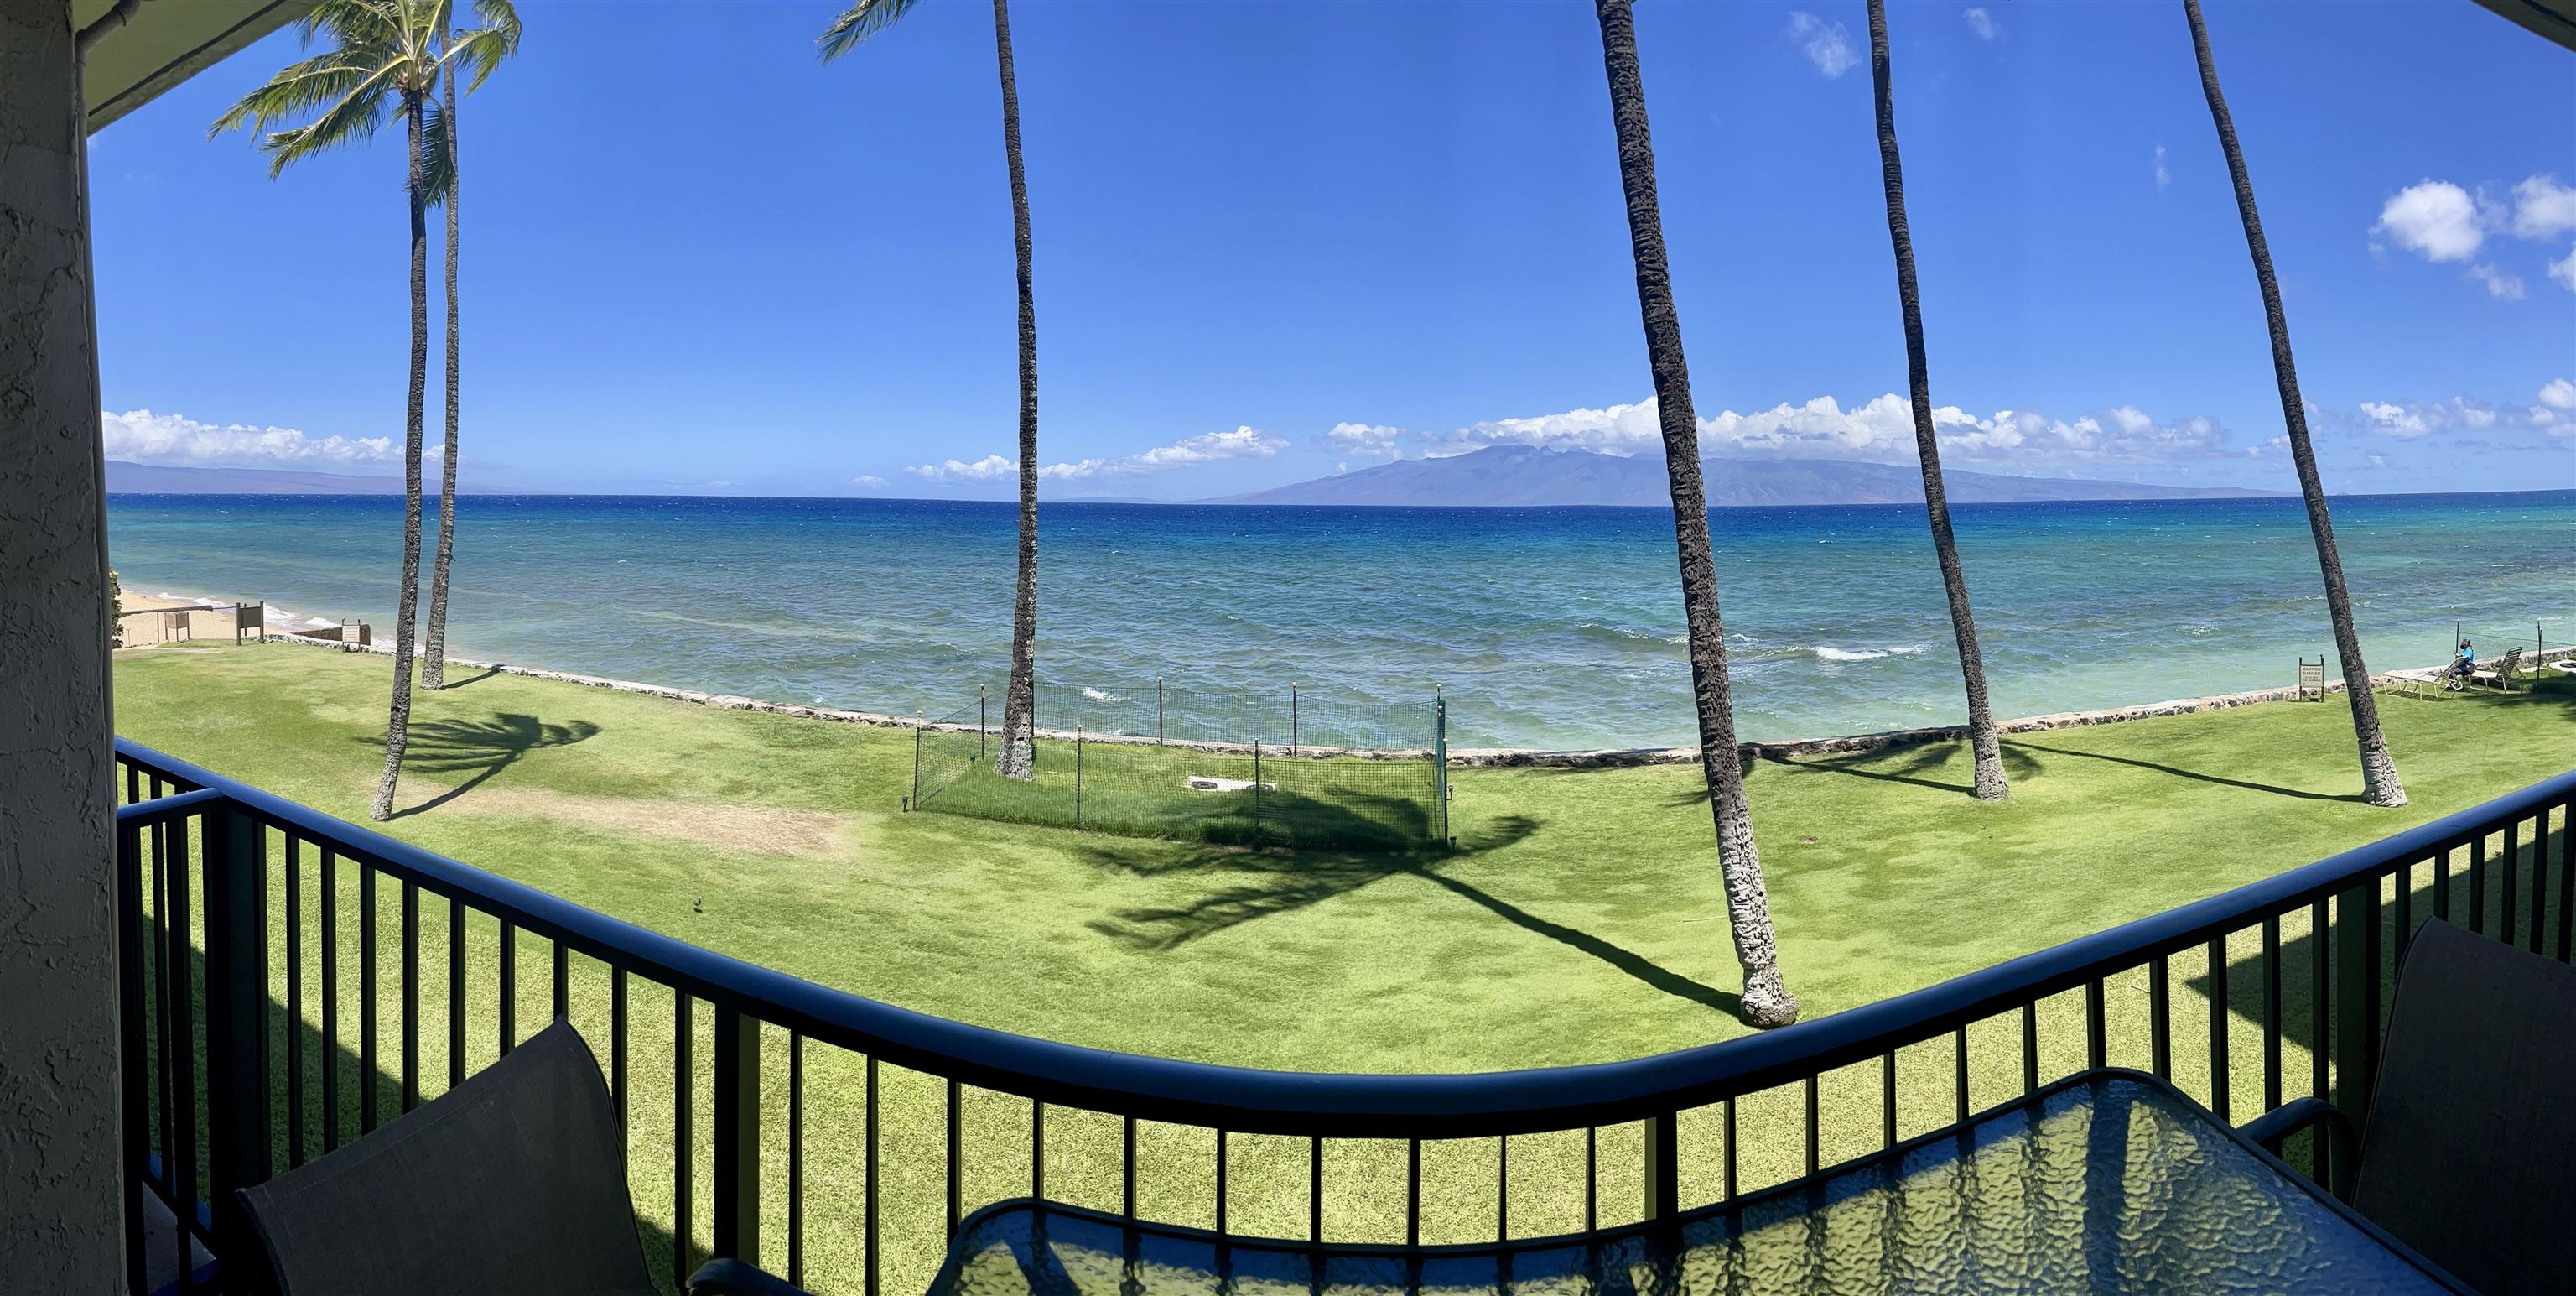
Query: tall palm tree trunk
x,y
2379,784
1019,700
398,716
1766,1001
433,670
1990,784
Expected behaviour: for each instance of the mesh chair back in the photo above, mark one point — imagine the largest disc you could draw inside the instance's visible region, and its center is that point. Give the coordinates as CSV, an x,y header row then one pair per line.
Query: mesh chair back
x,y
2470,1152
515,1181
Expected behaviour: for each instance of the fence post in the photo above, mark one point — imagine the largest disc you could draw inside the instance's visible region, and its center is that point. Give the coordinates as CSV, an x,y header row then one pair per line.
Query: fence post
x,y
1292,717
1158,710
237,1093
1440,759
1077,776
916,760
979,721
737,1135
1256,791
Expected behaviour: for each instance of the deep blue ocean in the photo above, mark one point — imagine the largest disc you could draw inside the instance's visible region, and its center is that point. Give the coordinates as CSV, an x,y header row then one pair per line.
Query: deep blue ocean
x,y
1544,627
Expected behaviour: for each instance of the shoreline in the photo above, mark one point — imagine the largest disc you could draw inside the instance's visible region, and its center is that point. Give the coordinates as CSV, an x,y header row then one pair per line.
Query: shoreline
x,y
1465,757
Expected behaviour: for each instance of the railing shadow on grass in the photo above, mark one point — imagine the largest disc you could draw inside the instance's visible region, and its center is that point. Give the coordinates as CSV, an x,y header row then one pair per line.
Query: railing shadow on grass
x,y
349,1074
1259,884
479,749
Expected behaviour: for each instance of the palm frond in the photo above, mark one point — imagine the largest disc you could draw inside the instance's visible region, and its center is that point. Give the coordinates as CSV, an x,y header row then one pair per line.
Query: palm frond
x,y
357,115
437,155
857,23
479,50
349,23
298,87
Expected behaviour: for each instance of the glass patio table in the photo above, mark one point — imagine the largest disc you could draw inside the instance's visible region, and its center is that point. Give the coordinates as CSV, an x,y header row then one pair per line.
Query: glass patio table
x,y
2111,1181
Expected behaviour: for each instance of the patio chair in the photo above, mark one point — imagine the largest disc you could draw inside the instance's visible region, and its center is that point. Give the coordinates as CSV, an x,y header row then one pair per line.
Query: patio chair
x,y
515,1181
2504,675
2469,1151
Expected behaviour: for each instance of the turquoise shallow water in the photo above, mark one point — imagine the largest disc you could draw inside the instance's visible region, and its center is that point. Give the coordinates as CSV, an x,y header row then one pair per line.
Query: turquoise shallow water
x,y
1546,627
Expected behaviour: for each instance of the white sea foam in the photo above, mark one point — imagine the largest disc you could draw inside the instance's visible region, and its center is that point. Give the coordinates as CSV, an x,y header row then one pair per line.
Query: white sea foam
x,y
1098,695
1827,652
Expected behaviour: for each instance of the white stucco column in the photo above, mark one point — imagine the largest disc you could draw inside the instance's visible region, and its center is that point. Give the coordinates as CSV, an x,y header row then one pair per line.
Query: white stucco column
x,y
61,1200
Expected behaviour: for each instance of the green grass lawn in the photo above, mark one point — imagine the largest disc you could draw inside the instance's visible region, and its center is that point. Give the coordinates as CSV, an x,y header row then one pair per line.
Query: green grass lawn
x,y
1581,919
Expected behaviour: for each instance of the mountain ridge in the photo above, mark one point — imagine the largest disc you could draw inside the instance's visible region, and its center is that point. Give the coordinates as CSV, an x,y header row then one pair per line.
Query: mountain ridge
x,y
1519,476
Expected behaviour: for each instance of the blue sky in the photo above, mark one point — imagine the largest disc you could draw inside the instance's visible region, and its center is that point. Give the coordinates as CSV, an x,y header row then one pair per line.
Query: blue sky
x,y
1275,241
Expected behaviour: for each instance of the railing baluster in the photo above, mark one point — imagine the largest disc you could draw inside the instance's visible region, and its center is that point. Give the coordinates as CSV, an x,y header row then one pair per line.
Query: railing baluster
x,y
2478,884
1591,1177
1663,1168
795,1159
2357,973
2566,881
2321,1031
2218,1009
1887,1099
1731,1162
2097,1050
2512,881
1503,1188
158,982
956,1155
1413,1192
330,1042
2271,1012
1960,1050
737,1134
1127,1167
366,998
2405,924
240,1143
683,1092
1220,1183
563,982
294,1001
2029,1047
1813,1134
2160,1024
1314,1189
410,995
181,1155
2442,885
456,1004
509,992
868,1140
617,1040
1037,1150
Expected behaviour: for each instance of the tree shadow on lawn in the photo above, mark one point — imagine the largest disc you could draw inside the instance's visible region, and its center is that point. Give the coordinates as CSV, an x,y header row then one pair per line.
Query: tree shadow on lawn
x,y
478,748
1909,764
2195,775
1260,883
453,685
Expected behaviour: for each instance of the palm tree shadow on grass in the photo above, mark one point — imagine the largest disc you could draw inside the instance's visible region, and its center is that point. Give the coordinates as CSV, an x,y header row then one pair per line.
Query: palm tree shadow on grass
x,y
1254,884
2195,775
479,749
1911,765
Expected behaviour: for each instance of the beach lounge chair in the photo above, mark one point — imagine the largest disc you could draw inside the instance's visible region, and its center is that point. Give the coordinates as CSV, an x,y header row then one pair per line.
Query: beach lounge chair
x,y
2465,1155
2505,674
515,1181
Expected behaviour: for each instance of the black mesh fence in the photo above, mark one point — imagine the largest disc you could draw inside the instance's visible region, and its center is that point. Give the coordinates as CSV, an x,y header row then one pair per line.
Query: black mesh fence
x,y
1255,794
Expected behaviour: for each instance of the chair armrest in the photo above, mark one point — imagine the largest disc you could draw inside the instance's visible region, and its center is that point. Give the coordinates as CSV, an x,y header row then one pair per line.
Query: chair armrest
x,y
734,1278
2274,1127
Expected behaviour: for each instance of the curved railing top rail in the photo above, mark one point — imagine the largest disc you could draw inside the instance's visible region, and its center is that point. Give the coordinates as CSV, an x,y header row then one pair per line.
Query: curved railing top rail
x,y
1347,1105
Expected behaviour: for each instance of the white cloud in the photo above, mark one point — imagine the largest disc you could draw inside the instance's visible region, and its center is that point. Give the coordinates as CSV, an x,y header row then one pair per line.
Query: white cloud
x,y
867,479
2543,208
2408,420
2565,271
1375,439
2164,178
2503,285
1246,442
2558,393
988,468
1983,24
1827,45
2436,219
142,436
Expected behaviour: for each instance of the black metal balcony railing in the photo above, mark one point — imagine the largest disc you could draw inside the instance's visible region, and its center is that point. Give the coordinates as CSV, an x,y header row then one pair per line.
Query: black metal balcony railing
x,y
230,1076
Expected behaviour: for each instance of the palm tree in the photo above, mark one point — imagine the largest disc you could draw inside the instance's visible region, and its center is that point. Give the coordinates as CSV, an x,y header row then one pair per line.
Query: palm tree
x,y
2379,785
1019,700
384,55
501,18
1990,784
1766,1001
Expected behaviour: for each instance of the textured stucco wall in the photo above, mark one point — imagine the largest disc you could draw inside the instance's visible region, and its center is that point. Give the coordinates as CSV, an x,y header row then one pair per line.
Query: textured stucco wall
x,y
61,1221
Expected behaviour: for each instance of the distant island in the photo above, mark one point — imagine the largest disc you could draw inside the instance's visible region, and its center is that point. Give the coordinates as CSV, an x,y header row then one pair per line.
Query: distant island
x,y
162,479
1519,476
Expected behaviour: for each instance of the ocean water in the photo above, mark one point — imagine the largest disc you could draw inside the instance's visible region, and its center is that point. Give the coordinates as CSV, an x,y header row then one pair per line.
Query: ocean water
x,y
1543,627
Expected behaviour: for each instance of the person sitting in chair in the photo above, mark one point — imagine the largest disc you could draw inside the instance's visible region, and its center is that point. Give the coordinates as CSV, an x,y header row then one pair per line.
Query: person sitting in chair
x,y
2458,676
